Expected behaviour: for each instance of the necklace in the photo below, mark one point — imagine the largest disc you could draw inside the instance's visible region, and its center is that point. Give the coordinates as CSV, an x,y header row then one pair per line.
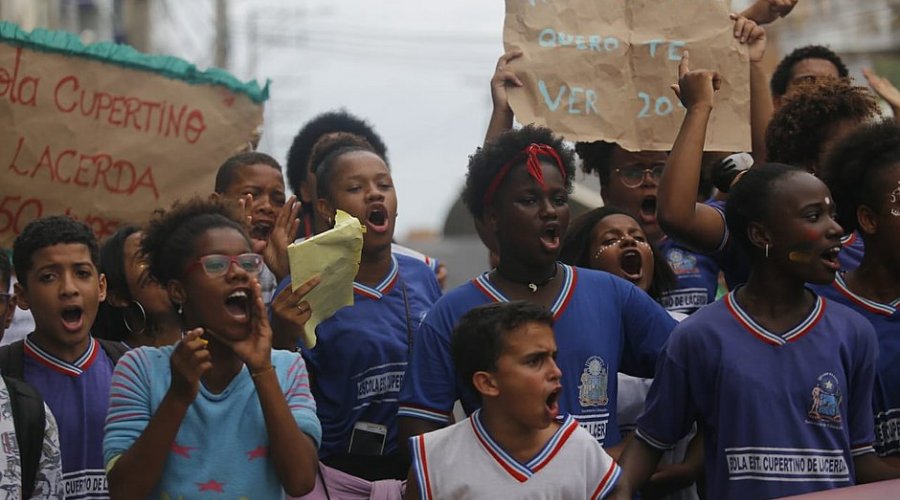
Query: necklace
x,y
532,285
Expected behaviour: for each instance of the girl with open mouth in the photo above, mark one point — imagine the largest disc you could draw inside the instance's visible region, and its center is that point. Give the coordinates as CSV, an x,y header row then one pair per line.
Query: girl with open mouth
x,y
220,411
774,371
518,186
360,356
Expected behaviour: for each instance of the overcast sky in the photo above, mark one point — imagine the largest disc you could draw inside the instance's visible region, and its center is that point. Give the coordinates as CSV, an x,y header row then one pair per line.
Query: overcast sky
x,y
418,71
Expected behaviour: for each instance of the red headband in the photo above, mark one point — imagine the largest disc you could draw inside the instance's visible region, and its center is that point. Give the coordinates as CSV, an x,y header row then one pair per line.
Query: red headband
x,y
532,163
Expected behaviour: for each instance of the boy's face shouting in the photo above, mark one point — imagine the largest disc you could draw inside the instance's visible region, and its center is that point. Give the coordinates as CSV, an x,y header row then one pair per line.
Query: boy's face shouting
x,y
266,184
64,292
527,379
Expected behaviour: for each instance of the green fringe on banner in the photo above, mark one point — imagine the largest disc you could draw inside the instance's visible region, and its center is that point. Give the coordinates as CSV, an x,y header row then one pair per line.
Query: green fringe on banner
x,y
61,42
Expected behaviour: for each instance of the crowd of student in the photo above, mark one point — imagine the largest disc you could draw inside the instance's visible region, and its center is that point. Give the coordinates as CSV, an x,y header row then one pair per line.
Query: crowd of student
x,y
168,362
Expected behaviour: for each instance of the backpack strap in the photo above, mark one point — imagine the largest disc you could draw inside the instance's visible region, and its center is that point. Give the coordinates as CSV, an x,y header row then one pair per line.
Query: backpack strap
x,y
113,349
29,419
12,359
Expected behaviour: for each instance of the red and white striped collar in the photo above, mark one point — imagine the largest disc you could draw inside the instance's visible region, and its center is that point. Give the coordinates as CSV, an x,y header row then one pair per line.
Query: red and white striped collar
x,y
383,288
769,337
569,277
73,369
522,472
867,304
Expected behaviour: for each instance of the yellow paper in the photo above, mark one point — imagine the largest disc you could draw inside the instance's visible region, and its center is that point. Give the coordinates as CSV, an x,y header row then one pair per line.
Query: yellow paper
x,y
333,255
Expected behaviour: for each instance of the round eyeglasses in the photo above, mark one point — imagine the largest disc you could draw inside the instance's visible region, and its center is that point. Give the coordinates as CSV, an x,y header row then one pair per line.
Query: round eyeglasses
x,y
634,176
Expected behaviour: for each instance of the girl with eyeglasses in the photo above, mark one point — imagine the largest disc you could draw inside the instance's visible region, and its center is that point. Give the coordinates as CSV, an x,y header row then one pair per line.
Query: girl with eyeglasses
x,y
137,310
220,412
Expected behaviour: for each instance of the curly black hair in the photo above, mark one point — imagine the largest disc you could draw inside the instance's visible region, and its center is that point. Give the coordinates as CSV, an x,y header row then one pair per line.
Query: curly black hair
x,y
750,200
576,249
489,159
49,231
596,157
805,121
170,236
785,69
298,159
854,167
478,339
228,169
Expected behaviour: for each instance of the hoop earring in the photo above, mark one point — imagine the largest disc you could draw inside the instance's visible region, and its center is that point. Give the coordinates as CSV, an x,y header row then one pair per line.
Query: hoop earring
x,y
767,250
143,318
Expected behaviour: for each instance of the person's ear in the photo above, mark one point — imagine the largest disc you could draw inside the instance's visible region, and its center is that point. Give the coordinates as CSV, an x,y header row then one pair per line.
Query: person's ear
x,y
866,219
21,296
101,281
485,384
490,219
325,210
10,312
214,196
177,293
114,300
759,236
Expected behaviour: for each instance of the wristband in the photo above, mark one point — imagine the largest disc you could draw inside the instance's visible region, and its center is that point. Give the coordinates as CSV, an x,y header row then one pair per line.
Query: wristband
x,y
254,374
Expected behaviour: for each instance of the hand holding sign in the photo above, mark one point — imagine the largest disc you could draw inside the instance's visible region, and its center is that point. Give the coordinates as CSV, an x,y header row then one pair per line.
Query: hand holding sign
x,y
696,89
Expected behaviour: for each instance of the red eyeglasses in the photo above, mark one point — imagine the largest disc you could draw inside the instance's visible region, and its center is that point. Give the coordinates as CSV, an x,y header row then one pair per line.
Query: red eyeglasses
x,y
218,264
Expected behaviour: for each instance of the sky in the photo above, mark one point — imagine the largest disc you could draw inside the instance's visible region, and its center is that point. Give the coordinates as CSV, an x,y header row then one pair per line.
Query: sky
x,y
418,71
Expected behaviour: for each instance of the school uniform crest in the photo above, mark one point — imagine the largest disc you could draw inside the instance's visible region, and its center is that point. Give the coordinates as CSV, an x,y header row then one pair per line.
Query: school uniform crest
x,y
594,382
682,262
826,399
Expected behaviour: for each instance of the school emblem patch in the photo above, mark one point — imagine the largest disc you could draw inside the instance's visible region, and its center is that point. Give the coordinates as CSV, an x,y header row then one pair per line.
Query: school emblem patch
x,y
682,262
826,399
594,382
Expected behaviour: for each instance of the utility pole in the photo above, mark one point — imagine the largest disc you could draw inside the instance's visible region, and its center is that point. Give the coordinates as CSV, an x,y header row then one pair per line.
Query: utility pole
x,y
136,22
221,48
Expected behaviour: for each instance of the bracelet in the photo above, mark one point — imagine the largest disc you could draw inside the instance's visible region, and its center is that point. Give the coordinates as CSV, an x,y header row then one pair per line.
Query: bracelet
x,y
261,372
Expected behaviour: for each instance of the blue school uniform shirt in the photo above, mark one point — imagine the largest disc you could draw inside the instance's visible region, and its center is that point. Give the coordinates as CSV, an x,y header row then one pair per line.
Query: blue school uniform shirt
x,y
221,449
781,414
603,325
361,352
885,318
697,274
78,395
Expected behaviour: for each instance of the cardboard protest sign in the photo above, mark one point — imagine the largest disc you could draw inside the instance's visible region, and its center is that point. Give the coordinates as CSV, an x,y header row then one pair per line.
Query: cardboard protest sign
x,y
601,69
106,134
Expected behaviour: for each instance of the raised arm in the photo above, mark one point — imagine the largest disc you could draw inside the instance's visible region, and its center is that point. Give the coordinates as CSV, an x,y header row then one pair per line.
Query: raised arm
x,y
292,452
697,225
502,115
886,90
747,32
